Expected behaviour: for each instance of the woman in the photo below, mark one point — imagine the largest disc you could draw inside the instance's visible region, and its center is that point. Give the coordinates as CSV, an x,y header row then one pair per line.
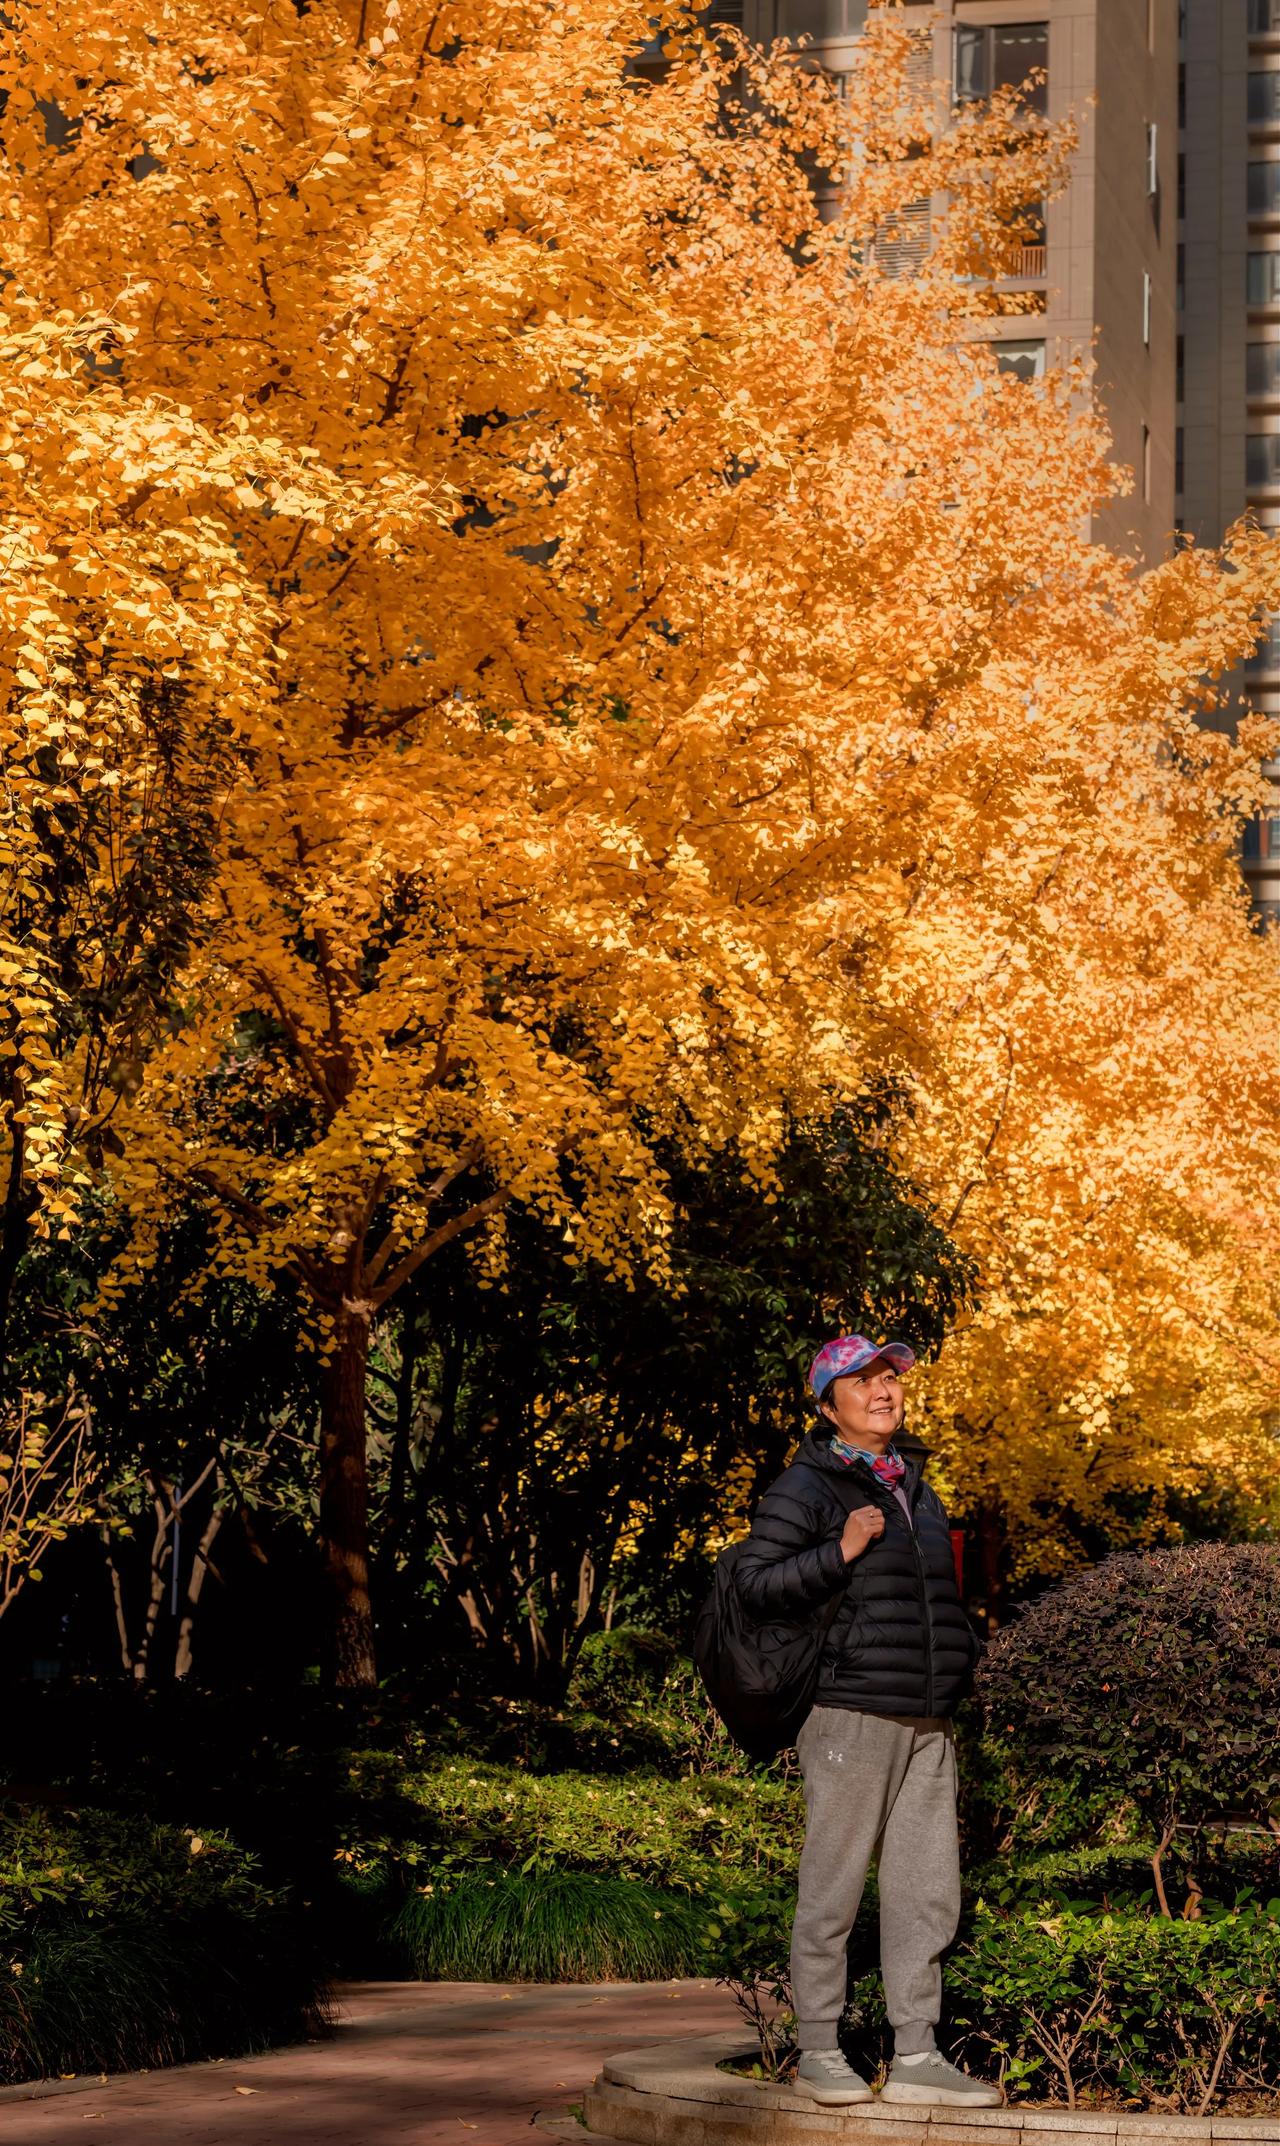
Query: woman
x,y
876,1752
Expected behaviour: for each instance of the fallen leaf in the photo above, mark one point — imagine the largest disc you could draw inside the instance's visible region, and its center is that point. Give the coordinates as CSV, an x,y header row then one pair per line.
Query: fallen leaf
x,y
247,2090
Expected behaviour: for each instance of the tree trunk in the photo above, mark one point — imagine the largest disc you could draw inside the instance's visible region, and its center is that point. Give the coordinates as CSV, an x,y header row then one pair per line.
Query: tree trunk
x,y
390,1588
195,1588
344,1506
165,1509
117,1601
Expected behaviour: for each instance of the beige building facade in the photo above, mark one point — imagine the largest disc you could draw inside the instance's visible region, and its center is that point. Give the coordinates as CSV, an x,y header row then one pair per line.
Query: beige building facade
x,y
1104,282
1229,370
1161,259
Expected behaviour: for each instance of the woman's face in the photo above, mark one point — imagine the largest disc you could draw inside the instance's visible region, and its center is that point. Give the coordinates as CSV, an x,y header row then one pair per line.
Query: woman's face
x,y
866,1407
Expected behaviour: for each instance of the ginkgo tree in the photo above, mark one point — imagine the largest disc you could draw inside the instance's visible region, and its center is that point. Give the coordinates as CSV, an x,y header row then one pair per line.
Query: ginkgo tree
x,y
129,639
687,699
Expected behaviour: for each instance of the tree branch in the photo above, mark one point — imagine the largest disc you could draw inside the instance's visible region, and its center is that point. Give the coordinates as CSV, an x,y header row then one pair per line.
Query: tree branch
x,y
438,1186
447,1231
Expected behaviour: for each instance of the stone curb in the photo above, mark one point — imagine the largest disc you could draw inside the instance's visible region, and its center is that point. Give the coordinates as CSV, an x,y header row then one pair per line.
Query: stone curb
x,y
45,2089
568,2128
672,2094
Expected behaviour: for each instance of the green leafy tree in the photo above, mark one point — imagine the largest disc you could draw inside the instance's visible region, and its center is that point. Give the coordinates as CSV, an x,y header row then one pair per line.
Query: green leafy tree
x,y
198,1397
555,1435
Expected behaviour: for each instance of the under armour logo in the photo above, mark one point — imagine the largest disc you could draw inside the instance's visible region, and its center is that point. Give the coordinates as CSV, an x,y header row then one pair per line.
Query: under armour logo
x,y
836,1756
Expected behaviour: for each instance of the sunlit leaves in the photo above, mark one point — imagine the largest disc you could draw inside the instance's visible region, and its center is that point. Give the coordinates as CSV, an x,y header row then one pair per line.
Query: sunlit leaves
x,y
667,684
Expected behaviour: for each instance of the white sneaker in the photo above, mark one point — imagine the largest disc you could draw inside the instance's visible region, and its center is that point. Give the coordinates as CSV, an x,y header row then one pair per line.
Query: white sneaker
x,y
824,2075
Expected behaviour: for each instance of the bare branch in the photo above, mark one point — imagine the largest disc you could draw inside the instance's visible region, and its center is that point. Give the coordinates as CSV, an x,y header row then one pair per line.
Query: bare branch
x,y
408,1267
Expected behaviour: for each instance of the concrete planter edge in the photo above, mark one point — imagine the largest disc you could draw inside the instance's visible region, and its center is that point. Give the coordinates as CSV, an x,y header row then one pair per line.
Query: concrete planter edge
x,y
673,2094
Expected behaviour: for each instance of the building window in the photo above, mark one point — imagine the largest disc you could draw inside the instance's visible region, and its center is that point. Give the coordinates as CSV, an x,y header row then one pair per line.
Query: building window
x,y
1146,465
1146,307
1028,261
1262,461
1262,279
1266,656
1262,369
1262,840
1264,96
1002,58
1024,359
1264,15
821,19
901,245
1264,189
1153,160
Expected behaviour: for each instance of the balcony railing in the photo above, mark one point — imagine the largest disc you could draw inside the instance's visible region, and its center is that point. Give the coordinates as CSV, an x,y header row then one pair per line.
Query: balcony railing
x,y
1028,264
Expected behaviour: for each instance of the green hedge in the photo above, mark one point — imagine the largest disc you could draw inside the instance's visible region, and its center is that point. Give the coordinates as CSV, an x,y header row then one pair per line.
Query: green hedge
x,y
622,1670
694,1834
1155,1672
1117,1877
127,1945
1121,2005
1090,2007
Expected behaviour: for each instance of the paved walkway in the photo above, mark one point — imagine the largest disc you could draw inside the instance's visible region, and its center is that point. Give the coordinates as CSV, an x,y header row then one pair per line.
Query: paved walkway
x,y
412,2064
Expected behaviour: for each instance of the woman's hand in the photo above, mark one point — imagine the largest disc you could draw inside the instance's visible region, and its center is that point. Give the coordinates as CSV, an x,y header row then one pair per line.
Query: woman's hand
x,y
863,1525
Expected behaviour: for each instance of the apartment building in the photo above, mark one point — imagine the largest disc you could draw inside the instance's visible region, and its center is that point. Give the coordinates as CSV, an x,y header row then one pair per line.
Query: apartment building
x,y
1162,257
1104,278
1228,440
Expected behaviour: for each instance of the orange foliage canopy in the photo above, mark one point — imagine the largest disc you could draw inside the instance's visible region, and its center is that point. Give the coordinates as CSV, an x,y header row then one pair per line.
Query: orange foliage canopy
x,y
687,697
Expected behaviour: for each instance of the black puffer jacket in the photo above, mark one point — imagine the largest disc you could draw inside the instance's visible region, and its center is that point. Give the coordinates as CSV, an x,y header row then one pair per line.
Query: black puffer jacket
x,y
900,1643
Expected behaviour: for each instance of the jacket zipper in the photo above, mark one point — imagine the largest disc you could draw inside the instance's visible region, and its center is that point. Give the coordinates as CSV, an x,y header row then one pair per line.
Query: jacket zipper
x,y
928,1619
923,1591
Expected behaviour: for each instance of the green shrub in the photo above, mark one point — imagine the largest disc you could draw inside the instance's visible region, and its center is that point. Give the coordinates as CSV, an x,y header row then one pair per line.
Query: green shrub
x,y
1204,1874
1169,2013
1010,1809
129,1945
1156,1675
1094,2007
548,1926
748,1933
1112,1877
696,1834
615,1670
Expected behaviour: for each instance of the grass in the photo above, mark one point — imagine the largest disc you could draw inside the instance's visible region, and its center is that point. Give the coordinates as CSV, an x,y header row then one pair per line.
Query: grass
x,y
134,1996
549,1926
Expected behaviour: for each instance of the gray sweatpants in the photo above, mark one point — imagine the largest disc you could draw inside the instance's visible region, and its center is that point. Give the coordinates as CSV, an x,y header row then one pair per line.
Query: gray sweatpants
x,y
882,1786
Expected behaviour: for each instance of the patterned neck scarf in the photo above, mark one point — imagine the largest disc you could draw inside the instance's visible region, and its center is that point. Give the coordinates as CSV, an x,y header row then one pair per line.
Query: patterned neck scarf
x,y
889,1466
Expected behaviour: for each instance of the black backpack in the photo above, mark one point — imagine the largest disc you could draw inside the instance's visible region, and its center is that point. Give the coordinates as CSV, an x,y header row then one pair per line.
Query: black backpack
x,y
760,1677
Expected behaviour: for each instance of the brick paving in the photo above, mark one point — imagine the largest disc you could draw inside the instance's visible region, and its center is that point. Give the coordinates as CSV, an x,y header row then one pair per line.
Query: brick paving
x,y
411,2064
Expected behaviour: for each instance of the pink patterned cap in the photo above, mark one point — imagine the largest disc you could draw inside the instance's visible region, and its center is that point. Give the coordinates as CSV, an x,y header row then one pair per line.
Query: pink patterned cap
x,y
853,1352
